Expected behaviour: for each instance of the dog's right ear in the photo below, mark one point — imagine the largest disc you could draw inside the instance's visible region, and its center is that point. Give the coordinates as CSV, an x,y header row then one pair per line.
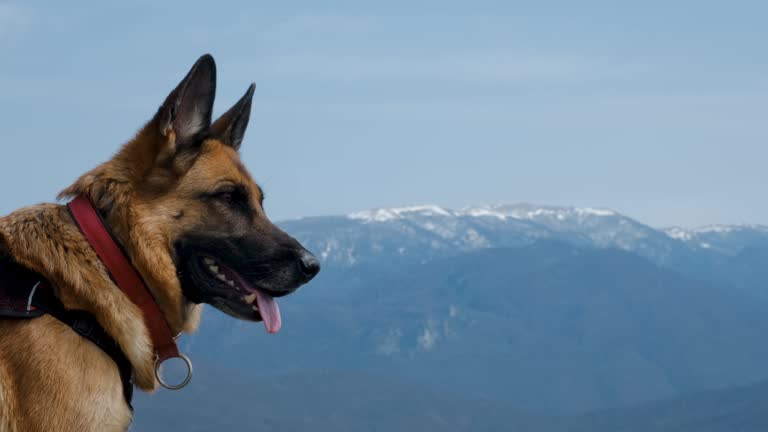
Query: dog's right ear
x,y
230,127
185,116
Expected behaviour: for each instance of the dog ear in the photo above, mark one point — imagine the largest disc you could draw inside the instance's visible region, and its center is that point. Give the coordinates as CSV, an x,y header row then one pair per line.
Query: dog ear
x,y
230,127
185,116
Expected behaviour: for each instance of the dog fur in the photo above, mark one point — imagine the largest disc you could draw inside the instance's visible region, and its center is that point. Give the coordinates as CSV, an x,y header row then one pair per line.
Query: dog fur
x,y
51,379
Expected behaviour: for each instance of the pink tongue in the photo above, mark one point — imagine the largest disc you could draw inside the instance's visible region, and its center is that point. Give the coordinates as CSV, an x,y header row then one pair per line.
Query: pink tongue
x,y
270,312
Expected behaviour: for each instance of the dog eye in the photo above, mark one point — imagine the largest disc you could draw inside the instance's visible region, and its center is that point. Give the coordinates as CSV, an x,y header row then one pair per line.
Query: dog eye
x,y
231,196
227,197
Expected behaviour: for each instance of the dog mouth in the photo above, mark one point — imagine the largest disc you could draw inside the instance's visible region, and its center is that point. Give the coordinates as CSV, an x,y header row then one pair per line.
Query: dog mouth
x,y
242,299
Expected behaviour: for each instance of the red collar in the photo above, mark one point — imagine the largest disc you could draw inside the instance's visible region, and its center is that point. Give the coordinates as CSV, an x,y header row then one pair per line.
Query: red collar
x,y
124,275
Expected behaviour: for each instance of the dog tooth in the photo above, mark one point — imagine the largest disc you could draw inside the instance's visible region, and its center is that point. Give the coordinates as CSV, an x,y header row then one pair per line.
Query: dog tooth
x,y
230,283
214,268
249,298
221,277
209,261
255,308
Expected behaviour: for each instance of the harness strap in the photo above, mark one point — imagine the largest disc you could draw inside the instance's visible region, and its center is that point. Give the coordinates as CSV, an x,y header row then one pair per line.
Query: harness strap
x,y
24,294
85,324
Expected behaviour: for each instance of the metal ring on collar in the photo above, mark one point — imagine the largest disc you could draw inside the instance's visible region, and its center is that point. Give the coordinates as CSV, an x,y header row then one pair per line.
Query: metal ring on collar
x,y
183,383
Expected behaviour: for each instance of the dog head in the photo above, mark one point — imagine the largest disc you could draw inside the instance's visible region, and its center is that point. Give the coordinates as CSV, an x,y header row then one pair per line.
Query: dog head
x,y
182,200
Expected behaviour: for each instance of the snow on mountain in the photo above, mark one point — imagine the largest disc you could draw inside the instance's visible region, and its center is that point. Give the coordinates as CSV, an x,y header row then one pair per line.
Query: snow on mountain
x,y
502,212
534,212
603,227
429,231
729,239
679,233
388,214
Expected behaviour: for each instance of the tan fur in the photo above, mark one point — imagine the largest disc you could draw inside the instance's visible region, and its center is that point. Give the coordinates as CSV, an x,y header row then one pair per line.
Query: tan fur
x,y
46,392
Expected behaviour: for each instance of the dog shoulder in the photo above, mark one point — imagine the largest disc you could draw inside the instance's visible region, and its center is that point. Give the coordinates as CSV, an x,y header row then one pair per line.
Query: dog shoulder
x,y
39,361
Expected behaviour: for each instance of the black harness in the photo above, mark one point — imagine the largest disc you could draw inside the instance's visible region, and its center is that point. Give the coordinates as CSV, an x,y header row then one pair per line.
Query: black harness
x,y
25,295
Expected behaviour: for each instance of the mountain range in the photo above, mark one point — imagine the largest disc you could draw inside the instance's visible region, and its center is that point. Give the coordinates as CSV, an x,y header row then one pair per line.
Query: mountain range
x,y
539,312
428,231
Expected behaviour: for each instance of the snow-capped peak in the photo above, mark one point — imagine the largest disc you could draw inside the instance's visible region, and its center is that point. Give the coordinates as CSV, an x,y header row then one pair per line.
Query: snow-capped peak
x,y
483,211
678,233
716,229
684,234
532,212
500,211
411,230
388,214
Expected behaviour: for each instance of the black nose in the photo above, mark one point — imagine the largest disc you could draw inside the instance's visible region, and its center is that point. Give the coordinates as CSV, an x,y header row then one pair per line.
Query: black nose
x,y
309,265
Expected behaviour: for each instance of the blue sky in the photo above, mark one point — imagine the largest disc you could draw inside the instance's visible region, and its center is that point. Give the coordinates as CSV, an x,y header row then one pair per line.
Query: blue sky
x,y
656,109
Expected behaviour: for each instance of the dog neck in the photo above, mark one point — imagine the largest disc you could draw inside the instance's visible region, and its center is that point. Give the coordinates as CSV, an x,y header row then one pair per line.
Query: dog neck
x,y
123,274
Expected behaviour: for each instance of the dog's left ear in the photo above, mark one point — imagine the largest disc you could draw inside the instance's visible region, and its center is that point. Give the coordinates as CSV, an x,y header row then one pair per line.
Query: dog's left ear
x,y
230,127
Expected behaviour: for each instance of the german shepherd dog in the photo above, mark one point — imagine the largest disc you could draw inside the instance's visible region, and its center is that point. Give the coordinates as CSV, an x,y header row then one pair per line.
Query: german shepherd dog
x,y
187,213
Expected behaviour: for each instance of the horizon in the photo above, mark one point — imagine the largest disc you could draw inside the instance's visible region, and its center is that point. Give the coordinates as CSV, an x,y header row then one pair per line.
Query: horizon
x,y
417,207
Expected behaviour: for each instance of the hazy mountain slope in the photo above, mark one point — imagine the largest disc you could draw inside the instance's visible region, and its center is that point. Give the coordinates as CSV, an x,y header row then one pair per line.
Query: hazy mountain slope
x,y
742,409
329,401
546,309
549,327
321,401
